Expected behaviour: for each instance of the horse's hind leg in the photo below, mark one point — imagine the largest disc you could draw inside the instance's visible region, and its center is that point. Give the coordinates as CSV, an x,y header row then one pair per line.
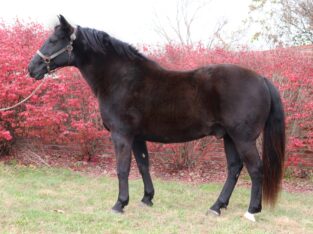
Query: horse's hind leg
x,y
250,156
142,159
234,166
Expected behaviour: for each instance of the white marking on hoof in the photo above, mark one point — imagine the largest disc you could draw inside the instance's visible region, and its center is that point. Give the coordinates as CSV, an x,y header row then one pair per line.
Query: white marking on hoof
x,y
249,216
213,212
117,212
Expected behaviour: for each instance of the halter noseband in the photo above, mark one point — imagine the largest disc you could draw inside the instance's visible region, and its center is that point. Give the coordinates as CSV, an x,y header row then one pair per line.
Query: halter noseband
x,y
68,49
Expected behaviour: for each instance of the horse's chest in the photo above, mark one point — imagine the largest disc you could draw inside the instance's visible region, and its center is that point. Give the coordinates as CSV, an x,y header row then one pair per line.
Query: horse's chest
x,y
115,117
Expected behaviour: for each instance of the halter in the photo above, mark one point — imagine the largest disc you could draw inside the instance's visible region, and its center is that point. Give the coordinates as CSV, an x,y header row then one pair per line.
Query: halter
x,y
68,49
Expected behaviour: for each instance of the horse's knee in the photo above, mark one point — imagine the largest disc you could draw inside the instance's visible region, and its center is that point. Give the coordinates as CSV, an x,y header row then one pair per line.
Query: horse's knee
x,y
122,174
143,169
122,144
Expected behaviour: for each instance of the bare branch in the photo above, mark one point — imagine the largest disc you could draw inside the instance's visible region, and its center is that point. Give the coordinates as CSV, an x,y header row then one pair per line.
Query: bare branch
x,y
181,26
289,22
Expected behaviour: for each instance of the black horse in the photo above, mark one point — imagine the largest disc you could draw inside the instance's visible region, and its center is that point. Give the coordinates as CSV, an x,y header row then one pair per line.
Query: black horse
x,y
141,101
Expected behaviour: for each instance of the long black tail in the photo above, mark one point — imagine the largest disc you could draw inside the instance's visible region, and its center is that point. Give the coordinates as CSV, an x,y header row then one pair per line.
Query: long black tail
x,y
273,147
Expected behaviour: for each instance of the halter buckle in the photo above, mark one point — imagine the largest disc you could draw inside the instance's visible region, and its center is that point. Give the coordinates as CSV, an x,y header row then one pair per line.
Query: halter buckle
x,y
69,48
47,60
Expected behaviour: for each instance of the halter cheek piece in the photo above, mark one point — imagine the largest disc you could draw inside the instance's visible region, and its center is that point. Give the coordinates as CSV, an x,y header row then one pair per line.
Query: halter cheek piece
x,y
68,49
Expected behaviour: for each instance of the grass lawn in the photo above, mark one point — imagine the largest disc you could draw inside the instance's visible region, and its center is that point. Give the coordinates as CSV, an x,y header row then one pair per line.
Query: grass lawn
x,y
49,200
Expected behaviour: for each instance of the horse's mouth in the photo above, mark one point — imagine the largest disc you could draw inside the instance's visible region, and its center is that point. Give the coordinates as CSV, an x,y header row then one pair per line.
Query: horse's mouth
x,y
37,76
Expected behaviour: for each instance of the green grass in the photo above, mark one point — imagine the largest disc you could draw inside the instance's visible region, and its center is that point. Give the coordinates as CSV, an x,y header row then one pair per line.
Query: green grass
x,y
30,199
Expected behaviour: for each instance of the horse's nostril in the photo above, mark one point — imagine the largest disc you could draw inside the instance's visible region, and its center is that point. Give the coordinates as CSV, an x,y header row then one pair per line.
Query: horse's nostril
x,y
30,70
29,67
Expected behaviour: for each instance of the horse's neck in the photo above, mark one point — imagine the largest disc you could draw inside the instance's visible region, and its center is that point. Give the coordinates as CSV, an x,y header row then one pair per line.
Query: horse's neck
x,y
92,82
102,74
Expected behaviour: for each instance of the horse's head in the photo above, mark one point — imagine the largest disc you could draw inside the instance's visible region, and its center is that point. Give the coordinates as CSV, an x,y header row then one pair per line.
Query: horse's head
x,y
56,51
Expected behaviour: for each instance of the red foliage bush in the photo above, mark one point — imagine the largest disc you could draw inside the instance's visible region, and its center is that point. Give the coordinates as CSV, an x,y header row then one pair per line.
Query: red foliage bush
x,y
64,109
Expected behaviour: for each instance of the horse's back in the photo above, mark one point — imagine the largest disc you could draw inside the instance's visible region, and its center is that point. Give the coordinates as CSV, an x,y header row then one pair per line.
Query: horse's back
x,y
212,100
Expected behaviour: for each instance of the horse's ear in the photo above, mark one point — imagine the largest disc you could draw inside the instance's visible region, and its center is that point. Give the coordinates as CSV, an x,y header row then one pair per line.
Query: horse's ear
x,y
65,25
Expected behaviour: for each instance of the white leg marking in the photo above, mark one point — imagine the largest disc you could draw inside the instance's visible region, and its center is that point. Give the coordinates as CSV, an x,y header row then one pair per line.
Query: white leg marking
x,y
249,216
143,155
213,212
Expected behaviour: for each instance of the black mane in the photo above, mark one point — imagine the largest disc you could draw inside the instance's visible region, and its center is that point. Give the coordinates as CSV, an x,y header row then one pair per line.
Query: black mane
x,y
102,42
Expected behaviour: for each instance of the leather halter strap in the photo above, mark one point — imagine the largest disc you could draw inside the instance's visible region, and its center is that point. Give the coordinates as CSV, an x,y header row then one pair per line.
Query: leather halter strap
x,y
68,49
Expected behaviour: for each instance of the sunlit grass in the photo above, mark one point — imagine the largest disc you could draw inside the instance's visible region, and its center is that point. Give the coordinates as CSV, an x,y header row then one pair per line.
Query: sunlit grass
x,y
60,201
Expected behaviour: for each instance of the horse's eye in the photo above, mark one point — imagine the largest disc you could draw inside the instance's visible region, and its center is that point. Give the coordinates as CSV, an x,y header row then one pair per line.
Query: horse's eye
x,y
53,40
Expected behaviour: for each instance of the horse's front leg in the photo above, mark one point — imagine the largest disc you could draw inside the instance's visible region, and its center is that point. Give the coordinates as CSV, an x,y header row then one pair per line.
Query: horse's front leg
x,y
123,146
142,158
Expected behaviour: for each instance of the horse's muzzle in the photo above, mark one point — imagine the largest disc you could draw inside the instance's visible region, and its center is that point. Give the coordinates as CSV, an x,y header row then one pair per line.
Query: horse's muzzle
x,y
35,70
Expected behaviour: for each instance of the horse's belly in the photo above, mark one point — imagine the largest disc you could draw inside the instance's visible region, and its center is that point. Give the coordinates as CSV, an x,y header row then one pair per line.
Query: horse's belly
x,y
171,139
171,134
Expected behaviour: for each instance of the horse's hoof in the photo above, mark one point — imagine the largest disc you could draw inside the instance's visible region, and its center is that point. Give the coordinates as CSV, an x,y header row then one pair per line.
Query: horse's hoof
x,y
213,212
147,202
118,208
145,205
249,216
115,211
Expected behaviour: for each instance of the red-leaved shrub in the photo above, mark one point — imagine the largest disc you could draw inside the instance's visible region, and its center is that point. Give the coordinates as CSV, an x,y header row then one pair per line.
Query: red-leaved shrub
x,y
65,111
